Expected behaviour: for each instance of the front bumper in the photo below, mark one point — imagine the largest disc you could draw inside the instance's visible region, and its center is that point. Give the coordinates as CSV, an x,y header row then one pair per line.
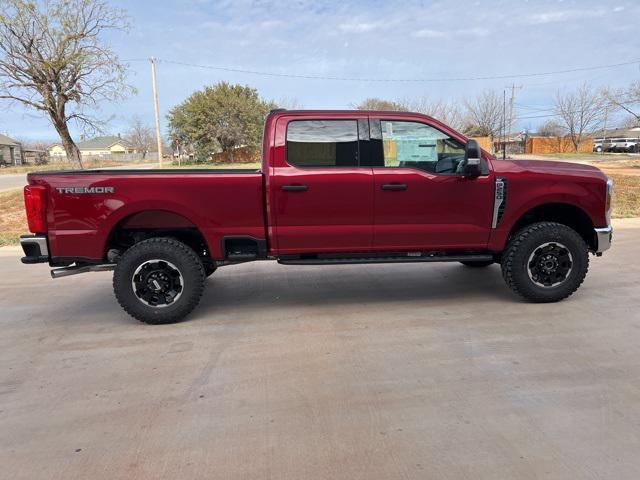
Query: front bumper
x,y
603,238
35,248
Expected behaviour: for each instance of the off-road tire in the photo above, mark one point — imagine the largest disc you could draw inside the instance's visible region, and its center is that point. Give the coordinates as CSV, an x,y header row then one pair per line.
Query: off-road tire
x,y
478,264
525,242
170,250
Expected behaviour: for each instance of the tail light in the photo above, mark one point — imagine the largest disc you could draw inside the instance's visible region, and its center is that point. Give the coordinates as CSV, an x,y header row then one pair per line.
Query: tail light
x,y
35,202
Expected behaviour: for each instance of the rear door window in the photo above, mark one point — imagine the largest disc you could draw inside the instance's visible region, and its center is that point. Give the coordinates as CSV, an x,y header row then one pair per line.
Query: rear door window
x,y
322,143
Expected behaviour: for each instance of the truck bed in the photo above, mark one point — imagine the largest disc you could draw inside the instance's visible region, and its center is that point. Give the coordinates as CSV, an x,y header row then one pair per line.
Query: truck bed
x,y
84,206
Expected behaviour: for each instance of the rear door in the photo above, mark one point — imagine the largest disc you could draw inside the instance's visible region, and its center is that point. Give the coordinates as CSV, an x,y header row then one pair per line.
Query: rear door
x,y
421,199
322,197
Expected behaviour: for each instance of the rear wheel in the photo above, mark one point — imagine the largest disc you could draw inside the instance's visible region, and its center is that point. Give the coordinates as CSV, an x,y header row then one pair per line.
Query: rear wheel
x,y
478,264
159,280
545,262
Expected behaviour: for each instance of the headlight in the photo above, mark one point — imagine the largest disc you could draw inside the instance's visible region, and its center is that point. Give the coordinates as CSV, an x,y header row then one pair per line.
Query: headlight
x,y
607,207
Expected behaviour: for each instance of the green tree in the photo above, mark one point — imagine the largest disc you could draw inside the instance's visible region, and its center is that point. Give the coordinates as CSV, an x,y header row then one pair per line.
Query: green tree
x,y
220,117
53,59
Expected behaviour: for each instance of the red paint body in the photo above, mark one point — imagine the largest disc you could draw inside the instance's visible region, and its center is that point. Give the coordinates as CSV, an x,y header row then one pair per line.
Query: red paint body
x,y
344,209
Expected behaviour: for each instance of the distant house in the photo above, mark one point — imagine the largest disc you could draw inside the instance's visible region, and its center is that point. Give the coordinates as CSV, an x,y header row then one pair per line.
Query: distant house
x,y
96,147
34,156
57,150
614,133
10,151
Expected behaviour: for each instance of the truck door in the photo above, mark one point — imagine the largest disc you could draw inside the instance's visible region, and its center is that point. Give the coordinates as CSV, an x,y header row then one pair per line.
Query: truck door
x,y
322,197
421,199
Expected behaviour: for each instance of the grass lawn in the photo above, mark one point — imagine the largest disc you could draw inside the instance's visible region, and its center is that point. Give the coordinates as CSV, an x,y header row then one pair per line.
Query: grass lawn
x,y
626,196
13,222
588,155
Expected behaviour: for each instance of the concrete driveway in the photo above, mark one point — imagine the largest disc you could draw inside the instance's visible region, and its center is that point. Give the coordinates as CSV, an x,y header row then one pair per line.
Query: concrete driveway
x,y
345,372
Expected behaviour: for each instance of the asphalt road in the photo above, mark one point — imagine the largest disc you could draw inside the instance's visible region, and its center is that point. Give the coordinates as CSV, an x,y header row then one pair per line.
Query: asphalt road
x,y
11,181
348,372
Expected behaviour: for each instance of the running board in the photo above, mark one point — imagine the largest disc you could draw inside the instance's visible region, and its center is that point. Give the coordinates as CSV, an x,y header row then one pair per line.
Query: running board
x,y
393,259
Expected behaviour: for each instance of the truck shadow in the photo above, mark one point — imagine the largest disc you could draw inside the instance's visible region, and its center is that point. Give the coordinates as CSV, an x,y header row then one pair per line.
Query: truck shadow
x,y
267,287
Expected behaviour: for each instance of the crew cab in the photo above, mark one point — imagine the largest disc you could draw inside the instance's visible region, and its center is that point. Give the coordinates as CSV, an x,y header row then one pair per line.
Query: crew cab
x,y
335,187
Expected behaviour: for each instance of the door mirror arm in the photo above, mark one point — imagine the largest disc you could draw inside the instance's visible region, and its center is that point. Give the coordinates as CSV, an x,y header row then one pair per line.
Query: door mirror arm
x,y
472,159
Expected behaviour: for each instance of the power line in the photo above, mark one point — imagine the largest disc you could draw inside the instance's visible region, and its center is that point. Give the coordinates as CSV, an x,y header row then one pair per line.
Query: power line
x,y
370,79
609,104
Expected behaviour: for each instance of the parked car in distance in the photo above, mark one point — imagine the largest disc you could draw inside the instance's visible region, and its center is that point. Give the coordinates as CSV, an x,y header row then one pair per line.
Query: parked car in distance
x,y
618,145
336,187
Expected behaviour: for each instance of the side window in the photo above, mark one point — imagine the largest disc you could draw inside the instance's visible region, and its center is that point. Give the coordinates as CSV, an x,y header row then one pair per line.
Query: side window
x,y
416,145
322,143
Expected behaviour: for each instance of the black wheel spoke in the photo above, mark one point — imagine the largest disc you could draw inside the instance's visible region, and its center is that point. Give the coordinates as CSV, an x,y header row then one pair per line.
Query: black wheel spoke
x,y
550,264
157,283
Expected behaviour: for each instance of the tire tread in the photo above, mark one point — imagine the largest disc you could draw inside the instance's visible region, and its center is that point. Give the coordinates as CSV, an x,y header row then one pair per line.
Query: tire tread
x,y
176,247
509,270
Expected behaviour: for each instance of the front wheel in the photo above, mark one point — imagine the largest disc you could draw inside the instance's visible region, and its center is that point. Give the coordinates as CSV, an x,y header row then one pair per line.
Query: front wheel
x,y
159,280
545,262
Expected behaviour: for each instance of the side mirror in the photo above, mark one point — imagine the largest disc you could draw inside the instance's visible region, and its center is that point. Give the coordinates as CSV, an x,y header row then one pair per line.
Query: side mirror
x,y
472,159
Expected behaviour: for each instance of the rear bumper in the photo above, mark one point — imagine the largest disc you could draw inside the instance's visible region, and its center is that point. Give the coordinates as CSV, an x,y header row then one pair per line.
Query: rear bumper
x,y
603,238
35,247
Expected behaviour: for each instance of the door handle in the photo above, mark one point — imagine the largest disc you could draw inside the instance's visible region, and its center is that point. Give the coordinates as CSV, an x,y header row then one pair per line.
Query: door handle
x,y
394,186
295,188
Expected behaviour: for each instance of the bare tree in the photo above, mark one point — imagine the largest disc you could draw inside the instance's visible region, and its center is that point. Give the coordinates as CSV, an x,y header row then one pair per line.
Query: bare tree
x,y
628,100
581,112
141,137
484,114
290,103
551,128
52,59
380,104
447,112
630,122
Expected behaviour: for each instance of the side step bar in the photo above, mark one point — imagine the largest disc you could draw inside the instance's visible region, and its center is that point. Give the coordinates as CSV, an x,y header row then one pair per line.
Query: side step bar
x,y
393,259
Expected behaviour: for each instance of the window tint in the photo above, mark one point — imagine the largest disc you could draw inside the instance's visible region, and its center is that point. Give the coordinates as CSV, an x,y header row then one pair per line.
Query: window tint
x,y
322,143
416,145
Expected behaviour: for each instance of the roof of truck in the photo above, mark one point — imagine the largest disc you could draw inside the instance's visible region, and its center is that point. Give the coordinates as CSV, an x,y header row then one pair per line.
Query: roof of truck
x,y
342,112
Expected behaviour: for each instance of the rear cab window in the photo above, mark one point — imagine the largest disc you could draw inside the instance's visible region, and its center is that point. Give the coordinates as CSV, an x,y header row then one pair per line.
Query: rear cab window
x,y
322,143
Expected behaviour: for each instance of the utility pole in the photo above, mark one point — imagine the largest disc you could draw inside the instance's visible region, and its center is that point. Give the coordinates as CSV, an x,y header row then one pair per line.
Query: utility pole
x,y
604,128
511,100
513,96
504,124
156,109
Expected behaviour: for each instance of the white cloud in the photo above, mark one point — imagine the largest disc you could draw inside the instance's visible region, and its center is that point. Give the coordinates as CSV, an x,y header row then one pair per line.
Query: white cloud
x,y
561,16
359,27
428,33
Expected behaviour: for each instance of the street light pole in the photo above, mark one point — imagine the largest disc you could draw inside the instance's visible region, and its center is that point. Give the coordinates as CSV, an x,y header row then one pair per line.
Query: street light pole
x,y
156,109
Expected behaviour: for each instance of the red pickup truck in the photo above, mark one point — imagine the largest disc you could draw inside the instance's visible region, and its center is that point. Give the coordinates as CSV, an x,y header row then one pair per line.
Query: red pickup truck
x,y
336,187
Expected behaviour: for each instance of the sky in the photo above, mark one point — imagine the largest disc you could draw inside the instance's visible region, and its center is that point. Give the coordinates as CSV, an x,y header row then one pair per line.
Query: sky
x,y
377,40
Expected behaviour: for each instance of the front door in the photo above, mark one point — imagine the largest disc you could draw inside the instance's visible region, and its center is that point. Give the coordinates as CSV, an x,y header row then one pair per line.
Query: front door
x,y
323,199
421,199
